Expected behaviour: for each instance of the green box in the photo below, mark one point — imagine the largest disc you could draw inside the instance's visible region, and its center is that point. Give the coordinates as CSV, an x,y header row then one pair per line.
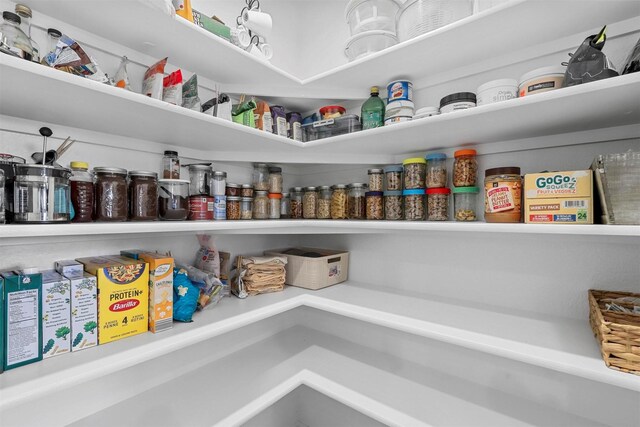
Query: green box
x,y
211,25
1,323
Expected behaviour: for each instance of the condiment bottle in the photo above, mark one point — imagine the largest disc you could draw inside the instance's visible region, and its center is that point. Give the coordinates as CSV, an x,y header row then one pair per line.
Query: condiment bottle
x,y
82,190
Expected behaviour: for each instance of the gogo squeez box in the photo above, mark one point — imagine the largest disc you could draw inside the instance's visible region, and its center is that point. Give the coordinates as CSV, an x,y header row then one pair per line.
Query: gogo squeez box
x,y
559,197
123,296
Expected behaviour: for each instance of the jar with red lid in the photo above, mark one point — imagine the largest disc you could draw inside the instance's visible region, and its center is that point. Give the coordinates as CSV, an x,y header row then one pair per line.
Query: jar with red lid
x,y
438,204
274,205
332,111
465,168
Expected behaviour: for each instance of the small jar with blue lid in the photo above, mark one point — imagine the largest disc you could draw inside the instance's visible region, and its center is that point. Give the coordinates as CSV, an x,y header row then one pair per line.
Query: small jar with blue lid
x,y
436,170
393,178
414,204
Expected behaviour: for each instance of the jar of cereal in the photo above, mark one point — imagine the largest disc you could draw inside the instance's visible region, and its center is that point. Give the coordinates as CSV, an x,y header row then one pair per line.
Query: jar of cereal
x,y
436,170
310,203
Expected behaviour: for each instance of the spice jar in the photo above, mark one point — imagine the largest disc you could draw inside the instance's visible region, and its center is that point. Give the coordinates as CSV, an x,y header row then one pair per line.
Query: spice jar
x,y
464,203
173,199
246,190
199,176
171,165
232,189
111,194
143,196
260,176
375,179
233,207
218,183
414,173
246,207
274,205
82,191
374,205
465,168
503,194
438,204
413,204
436,170
261,205
324,202
296,202
275,180
393,205
339,204
356,201
285,206
309,203
393,178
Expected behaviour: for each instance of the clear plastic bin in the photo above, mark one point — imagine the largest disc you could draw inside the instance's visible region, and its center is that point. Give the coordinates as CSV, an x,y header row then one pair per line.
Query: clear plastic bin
x,y
367,15
331,127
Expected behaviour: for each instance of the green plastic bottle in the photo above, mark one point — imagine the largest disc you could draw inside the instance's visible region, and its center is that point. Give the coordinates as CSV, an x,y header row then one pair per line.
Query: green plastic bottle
x,y
373,111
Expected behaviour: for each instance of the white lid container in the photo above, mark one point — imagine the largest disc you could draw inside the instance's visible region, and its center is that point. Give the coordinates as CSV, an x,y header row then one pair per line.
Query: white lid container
x,y
496,91
541,80
418,17
399,109
369,42
368,15
426,112
543,71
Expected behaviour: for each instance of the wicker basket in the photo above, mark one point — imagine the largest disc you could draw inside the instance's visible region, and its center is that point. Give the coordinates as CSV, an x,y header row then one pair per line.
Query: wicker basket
x,y
618,333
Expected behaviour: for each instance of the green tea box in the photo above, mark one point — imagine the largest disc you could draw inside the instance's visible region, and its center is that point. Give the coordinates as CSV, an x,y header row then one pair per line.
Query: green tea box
x,y
22,327
84,311
56,314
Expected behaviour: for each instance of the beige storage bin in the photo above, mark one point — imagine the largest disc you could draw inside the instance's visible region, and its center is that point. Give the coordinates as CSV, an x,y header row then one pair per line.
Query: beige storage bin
x,y
327,269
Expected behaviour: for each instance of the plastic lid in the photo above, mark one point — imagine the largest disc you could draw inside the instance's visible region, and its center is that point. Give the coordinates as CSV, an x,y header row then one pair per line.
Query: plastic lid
x,y
275,169
54,32
438,191
414,160
374,89
247,186
435,156
373,194
358,185
105,169
328,109
400,104
23,9
415,192
143,173
233,198
275,195
78,165
310,188
408,82
199,166
220,173
458,97
427,110
374,170
170,153
465,190
496,83
543,71
393,193
465,152
232,185
173,181
10,16
393,168
508,170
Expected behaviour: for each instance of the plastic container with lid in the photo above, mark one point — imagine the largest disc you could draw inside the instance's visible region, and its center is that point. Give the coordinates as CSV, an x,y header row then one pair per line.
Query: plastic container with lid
x,y
497,90
275,180
218,183
393,205
426,112
541,80
143,196
199,176
111,194
173,199
324,202
436,170
457,101
369,42
331,127
393,177
246,190
465,168
356,201
414,204
465,203
260,205
285,206
332,111
375,179
13,40
415,169
274,205
339,202
82,192
260,177
296,202
294,126
246,207
418,17
374,205
367,15
310,203
171,165
400,90
232,189
503,194
398,111
233,208
438,204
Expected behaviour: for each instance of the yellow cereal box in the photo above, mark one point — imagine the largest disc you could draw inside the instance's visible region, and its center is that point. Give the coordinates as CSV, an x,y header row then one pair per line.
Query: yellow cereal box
x,y
123,296
559,197
160,291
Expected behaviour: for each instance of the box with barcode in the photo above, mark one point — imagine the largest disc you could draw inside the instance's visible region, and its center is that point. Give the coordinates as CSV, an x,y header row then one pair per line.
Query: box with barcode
x,y
559,197
313,268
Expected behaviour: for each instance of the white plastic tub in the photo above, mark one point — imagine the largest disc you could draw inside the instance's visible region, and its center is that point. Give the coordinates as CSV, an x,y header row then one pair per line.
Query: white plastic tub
x,y
368,15
497,90
366,43
418,17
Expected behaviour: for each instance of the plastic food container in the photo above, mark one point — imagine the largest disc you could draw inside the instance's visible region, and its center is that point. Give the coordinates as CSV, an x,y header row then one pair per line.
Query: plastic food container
x,y
465,168
457,101
436,170
421,16
541,80
398,111
464,203
375,179
331,127
369,42
497,90
503,194
173,199
374,205
400,90
332,112
426,112
415,170
274,205
414,204
438,204
367,15
246,208
393,178
339,202
393,205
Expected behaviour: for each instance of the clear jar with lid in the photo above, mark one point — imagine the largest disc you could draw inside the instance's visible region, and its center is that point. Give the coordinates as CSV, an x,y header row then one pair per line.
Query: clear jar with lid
x,y
233,207
171,165
414,173
414,204
339,202
143,196
274,205
199,176
13,39
374,204
393,205
246,207
375,179
25,14
218,185
232,189
260,177
2,197
261,205
438,204
465,168
285,206
436,170
356,201
503,194
111,194
275,180
310,203
393,178
464,203
173,199
324,202
296,202
246,190
82,192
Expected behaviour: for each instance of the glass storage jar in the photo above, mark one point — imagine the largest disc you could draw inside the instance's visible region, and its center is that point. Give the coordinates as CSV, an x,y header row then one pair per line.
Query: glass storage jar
x,y
25,14
171,165
436,170
414,204
356,201
375,179
111,194
274,205
218,186
414,173
261,205
310,203
260,177
2,196
12,39
275,180
199,176
173,199
464,203
339,204
296,202
438,204
246,190
503,194
233,207
246,207
232,190
393,178
324,202
374,205
82,192
393,205
143,196
285,206
465,168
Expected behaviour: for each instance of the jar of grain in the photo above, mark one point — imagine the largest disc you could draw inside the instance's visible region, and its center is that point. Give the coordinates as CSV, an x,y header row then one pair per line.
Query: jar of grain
x,y
339,207
465,168
464,203
260,176
393,205
310,203
374,205
274,205
356,201
275,180
414,173
246,207
260,205
233,207
324,202
296,202
246,190
503,194
413,204
285,206
393,178
436,170
375,179
438,204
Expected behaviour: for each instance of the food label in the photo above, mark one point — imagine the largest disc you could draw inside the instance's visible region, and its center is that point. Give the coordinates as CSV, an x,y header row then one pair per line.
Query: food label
x,y
559,197
201,208
219,207
160,291
22,326
372,120
84,312
502,196
267,122
281,126
402,90
56,314
297,131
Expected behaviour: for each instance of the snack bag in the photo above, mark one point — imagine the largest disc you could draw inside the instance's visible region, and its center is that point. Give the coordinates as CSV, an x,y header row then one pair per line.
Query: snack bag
x,y
121,79
70,57
172,88
185,296
152,83
190,97
207,257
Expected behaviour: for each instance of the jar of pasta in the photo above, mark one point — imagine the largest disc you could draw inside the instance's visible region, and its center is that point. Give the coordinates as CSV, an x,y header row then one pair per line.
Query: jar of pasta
x,y
465,168
296,202
324,202
438,204
393,178
339,207
393,205
414,173
260,205
310,203
356,201
375,179
503,194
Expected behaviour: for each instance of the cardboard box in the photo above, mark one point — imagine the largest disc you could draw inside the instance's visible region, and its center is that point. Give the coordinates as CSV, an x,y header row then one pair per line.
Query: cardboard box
x,y
84,311
22,309
312,268
56,314
69,268
559,197
211,25
123,296
160,291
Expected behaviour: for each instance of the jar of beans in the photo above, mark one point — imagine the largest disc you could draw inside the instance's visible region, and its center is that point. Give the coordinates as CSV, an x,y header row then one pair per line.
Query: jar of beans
x,y
274,205
246,207
339,207
375,179
233,207
465,168
374,205
296,202
393,178
414,173
324,202
464,203
436,170
438,204
260,205
393,205
356,201
310,203
413,204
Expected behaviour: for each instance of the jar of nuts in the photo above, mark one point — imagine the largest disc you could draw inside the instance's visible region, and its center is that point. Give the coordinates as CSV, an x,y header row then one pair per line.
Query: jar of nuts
x,y
246,207
464,203
296,202
274,205
436,170
393,205
246,190
438,204
324,202
465,168
393,178
261,205
339,207
374,205
414,204
310,203
414,173
233,207
356,201
375,179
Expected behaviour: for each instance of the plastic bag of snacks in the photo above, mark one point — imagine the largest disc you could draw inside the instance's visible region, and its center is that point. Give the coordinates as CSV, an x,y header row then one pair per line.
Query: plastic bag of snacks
x,y
588,63
211,288
207,257
172,88
121,79
190,97
185,296
70,57
153,77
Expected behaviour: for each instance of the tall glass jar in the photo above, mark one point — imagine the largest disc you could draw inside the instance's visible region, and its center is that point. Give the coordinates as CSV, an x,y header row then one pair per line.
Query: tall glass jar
x,y
275,180
199,176
233,208
376,178
296,202
82,192
310,203
143,196
246,207
25,14
356,201
218,183
274,205
13,40
324,202
339,202
393,205
414,173
436,170
285,206
171,165
2,197
261,205
393,178
374,202
438,204
111,194
413,205
260,177
465,168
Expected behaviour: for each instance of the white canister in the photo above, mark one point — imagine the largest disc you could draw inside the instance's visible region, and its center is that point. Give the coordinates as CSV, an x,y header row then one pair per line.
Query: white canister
x,y
426,112
541,80
497,90
397,119
457,101
399,109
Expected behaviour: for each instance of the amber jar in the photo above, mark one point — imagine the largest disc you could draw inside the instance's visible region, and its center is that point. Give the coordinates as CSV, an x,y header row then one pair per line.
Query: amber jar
x,y
143,196
111,194
503,194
